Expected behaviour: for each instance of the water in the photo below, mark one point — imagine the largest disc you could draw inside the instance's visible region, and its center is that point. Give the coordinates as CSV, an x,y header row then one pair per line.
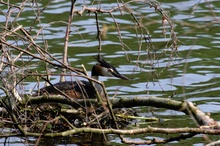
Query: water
x,y
192,72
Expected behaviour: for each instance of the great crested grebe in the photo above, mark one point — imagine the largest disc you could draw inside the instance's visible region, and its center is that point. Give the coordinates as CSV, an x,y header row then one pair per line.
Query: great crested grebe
x,y
84,89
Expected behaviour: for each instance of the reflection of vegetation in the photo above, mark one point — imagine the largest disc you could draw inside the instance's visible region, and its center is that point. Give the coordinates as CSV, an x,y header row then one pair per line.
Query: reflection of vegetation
x,y
33,116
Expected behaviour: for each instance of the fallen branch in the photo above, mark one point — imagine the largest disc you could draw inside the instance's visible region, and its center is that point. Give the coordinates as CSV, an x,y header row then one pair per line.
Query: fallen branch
x,y
182,106
128,132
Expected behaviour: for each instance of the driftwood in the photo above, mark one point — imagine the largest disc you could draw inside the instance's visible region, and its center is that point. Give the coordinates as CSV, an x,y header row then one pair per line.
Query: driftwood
x,y
182,106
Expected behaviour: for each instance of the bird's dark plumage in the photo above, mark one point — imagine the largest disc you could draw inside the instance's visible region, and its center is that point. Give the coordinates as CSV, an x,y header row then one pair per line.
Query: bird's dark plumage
x,y
83,89
72,89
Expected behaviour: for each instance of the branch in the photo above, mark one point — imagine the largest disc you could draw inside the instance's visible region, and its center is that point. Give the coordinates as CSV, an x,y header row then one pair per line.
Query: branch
x,y
182,106
68,30
129,132
43,59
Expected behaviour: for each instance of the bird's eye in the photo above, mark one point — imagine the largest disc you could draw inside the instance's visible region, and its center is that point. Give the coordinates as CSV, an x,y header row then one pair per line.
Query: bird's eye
x,y
111,70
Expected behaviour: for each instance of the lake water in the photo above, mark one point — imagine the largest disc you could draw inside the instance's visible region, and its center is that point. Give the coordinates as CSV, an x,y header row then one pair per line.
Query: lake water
x,y
192,72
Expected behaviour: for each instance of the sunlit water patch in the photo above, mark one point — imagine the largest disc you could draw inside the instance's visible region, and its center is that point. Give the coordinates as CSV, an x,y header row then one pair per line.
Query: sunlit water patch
x,y
190,80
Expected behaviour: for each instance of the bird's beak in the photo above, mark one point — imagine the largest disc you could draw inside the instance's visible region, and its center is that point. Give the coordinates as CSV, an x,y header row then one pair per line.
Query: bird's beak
x,y
118,75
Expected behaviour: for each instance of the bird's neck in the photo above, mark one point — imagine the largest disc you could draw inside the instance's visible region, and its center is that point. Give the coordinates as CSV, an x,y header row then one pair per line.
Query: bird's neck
x,y
98,86
95,77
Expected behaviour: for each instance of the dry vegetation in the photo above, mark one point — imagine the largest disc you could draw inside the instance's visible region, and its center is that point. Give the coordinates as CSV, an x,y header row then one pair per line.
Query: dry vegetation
x,y
69,116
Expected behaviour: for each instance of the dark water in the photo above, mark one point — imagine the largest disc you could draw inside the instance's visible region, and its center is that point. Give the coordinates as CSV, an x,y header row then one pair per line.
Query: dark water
x,y
193,72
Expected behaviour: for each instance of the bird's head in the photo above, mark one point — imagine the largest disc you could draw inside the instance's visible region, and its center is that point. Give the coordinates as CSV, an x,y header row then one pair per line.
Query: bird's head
x,y
102,68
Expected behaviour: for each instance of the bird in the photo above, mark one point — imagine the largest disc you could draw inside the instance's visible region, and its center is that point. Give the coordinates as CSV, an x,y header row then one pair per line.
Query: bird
x,y
84,89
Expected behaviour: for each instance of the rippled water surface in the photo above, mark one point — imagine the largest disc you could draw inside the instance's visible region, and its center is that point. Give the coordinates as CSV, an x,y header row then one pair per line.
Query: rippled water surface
x,y
193,72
